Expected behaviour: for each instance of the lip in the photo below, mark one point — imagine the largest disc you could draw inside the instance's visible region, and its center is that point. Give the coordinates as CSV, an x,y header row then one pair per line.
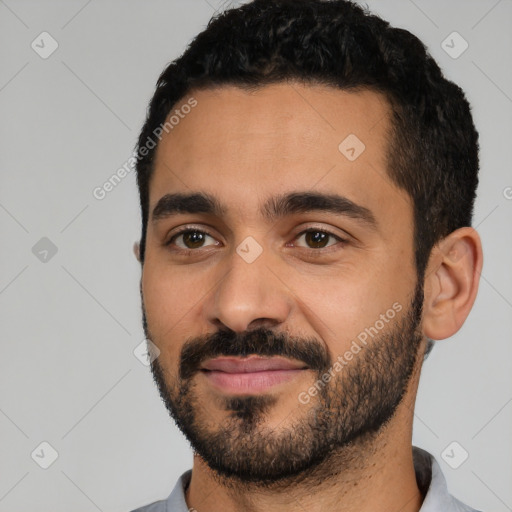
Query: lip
x,y
250,375
251,364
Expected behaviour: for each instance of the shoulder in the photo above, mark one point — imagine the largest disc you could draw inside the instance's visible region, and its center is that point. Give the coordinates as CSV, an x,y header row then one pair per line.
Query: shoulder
x,y
156,506
175,502
432,484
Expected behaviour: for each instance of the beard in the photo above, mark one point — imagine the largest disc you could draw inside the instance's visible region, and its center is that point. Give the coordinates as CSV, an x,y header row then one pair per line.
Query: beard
x,y
328,435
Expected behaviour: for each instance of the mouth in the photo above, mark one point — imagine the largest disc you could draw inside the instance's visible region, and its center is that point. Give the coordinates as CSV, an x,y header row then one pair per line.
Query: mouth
x,y
250,375
251,364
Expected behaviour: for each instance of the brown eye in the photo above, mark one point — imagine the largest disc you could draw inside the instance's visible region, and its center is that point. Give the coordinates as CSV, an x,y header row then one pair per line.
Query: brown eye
x,y
194,238
318,239
191,239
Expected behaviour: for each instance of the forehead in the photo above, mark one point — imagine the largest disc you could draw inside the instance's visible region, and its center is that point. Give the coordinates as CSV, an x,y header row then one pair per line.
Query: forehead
x,y
246,146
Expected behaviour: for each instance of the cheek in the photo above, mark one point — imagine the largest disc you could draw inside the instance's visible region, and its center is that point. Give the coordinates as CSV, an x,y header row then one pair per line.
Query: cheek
x,y
335,308
169,297
341,307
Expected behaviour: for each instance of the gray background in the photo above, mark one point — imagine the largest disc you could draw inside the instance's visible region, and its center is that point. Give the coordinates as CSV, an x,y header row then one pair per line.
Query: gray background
x,y
70,323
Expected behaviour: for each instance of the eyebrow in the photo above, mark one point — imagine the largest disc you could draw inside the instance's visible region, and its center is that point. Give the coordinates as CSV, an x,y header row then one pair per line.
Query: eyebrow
x,y
274,208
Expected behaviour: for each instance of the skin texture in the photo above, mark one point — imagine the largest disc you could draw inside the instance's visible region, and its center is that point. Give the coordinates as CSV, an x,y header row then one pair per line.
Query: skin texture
x,y
244,147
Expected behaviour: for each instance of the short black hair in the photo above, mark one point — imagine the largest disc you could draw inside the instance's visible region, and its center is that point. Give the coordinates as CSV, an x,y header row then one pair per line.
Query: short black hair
x,y
433,148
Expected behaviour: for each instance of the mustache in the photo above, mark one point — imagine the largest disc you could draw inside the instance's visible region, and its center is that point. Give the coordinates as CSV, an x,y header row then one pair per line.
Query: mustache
x,y
261,342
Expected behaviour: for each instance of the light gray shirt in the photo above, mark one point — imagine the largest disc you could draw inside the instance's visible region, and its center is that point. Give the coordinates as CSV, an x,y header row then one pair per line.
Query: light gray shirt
x,y
429,476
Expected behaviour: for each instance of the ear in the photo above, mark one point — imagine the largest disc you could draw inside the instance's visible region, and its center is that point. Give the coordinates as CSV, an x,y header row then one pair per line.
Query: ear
x,y
136,250
451,282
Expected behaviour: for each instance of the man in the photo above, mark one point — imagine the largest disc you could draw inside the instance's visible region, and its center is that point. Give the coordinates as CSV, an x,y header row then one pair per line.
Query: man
x,y
307,179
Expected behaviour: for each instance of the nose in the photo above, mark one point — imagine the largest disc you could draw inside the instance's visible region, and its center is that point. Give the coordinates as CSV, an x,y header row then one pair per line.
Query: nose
x,y
249,296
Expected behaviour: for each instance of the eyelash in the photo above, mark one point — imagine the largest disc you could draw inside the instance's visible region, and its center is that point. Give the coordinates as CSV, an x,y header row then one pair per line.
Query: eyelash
x,y
312,251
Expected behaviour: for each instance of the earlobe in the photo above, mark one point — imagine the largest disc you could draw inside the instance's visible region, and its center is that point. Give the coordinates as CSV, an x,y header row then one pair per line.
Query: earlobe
x,y
136,250
451,283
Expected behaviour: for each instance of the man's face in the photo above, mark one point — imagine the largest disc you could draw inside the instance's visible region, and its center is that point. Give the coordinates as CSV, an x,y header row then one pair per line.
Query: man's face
x,y
305,286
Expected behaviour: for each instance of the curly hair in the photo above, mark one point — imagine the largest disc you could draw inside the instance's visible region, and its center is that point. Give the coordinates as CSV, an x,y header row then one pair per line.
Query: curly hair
x,y
433,148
